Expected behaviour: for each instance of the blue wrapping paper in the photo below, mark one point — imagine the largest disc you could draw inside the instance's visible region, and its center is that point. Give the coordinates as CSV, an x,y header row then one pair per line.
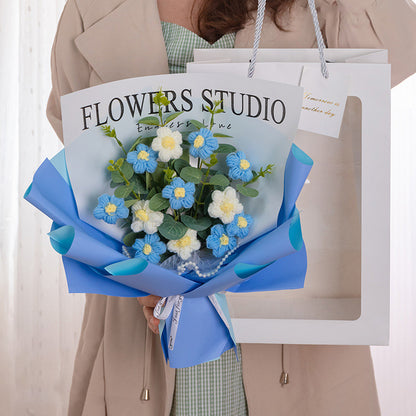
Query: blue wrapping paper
x,y
94,263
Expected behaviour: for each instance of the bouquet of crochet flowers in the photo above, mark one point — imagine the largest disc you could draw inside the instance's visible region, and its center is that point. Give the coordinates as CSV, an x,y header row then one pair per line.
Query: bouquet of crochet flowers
x,y
174,209
178,197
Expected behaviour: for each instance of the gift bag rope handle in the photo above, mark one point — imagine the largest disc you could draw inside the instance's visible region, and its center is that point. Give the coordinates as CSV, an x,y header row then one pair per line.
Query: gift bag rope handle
x,y
257,35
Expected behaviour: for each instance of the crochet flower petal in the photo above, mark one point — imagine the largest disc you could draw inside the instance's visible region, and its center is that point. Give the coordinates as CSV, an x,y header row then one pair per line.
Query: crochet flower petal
x,y
163,131
157,144
103,199
137,226
167,191
177,136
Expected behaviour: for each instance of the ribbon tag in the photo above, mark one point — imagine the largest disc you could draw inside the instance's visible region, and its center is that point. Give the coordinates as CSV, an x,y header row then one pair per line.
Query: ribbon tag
x,y
175,321
324,101
166,306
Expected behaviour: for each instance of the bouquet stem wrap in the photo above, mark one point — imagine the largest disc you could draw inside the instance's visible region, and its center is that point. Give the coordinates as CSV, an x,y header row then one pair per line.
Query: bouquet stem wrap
x,y
196,327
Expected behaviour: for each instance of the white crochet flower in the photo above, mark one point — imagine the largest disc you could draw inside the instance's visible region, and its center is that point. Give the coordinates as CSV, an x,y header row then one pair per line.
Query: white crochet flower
x,y
168,144
185,246
144,219
225,205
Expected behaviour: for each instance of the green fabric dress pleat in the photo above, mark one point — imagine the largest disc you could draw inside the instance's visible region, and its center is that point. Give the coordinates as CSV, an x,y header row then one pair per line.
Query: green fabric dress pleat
x,y
214,388
181,42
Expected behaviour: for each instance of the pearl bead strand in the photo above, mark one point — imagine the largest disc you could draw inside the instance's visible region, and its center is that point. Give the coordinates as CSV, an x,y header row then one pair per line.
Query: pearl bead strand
x,y
190,264
126,252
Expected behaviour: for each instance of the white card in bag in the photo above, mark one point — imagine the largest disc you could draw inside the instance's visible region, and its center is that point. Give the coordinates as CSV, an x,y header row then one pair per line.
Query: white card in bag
x,y
323,101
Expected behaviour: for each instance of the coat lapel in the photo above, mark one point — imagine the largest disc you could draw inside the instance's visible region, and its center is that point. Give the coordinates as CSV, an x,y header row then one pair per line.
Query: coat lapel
x,y
126,43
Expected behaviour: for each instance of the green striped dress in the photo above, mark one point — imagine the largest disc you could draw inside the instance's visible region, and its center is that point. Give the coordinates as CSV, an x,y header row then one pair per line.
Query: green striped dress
x,y
214,388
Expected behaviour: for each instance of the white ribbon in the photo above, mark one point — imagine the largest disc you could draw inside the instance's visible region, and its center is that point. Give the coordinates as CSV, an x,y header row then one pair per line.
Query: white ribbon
x,y
162,311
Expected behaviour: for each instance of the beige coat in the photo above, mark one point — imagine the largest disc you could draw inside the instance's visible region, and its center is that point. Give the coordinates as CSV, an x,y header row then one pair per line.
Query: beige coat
x,y
105,40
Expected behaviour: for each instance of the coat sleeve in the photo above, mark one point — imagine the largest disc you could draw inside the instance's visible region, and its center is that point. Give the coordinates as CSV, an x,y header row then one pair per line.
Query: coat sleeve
x,y
69,69
71,72
381,24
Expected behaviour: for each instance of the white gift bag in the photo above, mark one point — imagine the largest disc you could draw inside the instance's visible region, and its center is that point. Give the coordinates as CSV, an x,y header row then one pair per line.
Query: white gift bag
x,y
345,204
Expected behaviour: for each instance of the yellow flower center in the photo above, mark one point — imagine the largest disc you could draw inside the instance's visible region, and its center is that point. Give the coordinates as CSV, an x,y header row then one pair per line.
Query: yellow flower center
x,y
224,240
168,142
227,207
184,241
244,164
142,215
143,155
147,249
199,141
242,222
179,193
110,208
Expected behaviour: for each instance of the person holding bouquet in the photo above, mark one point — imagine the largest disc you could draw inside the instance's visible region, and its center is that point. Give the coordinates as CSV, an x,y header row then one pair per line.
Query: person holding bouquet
x,y
119,368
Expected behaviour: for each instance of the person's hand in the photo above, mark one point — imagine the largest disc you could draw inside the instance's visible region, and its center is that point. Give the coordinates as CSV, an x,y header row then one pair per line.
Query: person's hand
x,y
149,303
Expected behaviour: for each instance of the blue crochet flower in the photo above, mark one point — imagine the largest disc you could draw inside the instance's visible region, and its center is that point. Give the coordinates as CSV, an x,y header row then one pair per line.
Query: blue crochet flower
x,y
219,241
179,193
203,143
240,167
110,208
240,226
143,159
149,248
